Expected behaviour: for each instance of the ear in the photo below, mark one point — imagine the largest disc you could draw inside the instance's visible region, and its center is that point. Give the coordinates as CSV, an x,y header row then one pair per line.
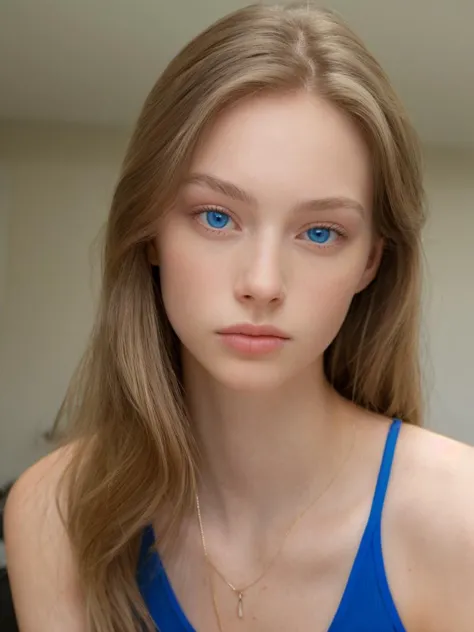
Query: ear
x,y
373,264
152,253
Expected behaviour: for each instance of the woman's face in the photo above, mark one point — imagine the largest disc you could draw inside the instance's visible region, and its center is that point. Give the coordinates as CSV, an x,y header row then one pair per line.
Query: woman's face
x,y
272,227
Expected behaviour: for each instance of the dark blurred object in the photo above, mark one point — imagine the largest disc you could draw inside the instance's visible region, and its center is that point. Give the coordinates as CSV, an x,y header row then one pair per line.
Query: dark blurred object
x,y
7,613
3,499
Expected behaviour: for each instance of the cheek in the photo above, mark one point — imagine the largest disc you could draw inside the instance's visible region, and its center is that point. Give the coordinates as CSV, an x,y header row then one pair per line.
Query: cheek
x,y
327,296
190,277
178,285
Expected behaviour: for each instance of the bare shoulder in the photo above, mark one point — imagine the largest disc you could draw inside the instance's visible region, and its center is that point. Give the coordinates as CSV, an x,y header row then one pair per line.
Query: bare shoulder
x,y
431,511
436,472
38,484
39,559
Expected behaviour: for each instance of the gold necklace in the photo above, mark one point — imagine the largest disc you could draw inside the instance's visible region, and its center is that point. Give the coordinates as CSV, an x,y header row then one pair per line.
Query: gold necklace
x,y
240,591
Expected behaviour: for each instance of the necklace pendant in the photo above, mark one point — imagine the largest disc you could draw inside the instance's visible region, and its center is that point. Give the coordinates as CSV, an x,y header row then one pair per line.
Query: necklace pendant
x,y
240,607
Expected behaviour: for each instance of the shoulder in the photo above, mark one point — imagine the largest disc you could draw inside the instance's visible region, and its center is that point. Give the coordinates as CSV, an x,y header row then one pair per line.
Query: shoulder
x,y
39,558
438,480
32,500
38,483
432,512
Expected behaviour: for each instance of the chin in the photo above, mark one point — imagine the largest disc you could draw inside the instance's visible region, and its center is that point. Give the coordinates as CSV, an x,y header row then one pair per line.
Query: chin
x,y
250,376
244,374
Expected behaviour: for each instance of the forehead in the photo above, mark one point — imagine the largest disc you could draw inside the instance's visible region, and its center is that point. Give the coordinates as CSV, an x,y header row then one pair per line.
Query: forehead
x,y
286,147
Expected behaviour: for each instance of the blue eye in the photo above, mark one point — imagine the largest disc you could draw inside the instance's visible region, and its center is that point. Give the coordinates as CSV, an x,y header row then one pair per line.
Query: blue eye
x,y
321,235
216,219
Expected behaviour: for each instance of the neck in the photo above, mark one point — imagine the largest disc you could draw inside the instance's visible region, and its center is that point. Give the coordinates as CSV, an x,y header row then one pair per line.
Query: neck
x,y
264,455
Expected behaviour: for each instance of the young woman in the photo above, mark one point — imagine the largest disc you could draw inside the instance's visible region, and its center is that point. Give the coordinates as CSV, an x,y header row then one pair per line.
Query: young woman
x,y
235,424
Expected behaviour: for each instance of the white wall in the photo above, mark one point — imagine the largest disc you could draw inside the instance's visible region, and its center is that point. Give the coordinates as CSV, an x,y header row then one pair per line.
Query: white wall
x,y
61,180
5,204
449,314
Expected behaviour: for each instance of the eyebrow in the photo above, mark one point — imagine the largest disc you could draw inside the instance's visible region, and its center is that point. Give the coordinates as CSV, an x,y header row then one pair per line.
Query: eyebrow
x,y
236,193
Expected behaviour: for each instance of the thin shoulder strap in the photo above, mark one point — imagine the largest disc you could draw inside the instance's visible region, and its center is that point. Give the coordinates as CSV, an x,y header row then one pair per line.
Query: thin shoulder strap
x,y
385,471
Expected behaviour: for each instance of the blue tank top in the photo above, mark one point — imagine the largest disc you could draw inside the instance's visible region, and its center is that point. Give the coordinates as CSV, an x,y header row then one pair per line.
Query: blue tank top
x,y
366,605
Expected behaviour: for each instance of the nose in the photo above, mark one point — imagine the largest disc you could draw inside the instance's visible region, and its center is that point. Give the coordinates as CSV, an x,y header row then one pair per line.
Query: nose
x,y
260,279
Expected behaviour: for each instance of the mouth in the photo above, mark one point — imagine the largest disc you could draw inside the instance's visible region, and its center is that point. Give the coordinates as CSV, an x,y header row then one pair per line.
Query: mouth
x,y
255,331
252,339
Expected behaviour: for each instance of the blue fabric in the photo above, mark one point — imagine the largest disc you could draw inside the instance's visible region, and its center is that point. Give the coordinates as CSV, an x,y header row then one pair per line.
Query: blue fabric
x,y
366,605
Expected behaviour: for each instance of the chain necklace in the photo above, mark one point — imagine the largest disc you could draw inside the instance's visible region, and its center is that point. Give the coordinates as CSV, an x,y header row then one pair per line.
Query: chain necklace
x,y
239,591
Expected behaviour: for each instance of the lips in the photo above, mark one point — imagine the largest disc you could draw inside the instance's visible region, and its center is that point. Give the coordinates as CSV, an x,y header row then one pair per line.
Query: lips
x,y
246,329
253,340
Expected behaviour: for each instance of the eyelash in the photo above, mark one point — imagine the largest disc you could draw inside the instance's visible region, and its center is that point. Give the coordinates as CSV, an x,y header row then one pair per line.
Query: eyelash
x,y
328,226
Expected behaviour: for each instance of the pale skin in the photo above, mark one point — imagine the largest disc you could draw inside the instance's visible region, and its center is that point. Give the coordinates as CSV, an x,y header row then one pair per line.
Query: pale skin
x,y
271,431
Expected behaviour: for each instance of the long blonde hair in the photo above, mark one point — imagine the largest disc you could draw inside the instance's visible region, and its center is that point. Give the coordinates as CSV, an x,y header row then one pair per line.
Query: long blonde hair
x,y
133,453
